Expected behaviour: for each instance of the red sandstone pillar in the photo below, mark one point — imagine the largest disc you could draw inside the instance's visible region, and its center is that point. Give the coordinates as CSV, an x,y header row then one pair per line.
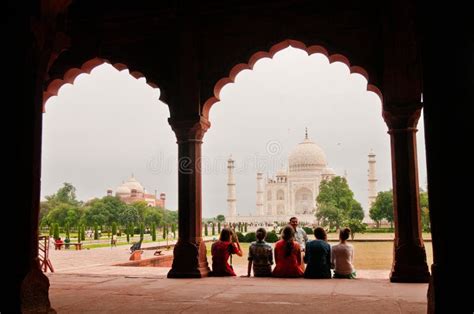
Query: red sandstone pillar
x,y
190,252
409,262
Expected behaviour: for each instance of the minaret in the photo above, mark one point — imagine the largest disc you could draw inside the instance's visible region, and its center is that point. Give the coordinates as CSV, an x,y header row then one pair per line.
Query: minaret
x,y
372,179
231,195
260,194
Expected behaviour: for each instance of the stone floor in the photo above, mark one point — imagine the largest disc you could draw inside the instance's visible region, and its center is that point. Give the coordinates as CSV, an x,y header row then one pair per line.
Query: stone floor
x,y
85,281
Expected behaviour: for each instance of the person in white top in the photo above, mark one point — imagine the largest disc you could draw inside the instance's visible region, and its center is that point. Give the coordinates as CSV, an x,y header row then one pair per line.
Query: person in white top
x,y
342,256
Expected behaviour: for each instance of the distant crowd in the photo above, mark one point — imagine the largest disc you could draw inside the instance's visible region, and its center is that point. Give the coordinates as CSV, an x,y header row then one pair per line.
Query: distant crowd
x,y
294,255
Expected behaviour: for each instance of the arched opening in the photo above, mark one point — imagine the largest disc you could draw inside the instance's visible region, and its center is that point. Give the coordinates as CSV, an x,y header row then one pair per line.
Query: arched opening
x,y
304,201
280,195
105,133
359,119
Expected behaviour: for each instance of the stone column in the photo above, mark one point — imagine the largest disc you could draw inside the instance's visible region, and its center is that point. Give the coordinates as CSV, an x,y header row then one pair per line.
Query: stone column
x,y
37,30
190,252
409,262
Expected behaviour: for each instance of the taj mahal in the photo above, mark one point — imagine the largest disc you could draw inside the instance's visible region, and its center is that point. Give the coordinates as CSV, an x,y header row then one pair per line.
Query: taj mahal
x,y
290,192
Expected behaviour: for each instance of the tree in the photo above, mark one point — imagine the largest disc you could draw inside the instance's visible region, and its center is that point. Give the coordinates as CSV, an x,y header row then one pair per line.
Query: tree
x,y
79,234
67,230
356,212
129,216
96,232
153,231
206,233
220,218
213,228
114,228
153,215
63,213
66,194
425,212
329,215
336,203
141,207
173,230
165,227
56,231
382,208
356,226
219,227
104,211
142,231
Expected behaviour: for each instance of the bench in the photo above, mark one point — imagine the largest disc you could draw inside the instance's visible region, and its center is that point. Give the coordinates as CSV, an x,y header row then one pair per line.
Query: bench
x,y
58,246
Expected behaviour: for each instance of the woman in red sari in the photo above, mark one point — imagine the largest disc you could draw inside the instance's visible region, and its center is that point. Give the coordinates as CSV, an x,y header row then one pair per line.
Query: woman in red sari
x,y
221,251
287,255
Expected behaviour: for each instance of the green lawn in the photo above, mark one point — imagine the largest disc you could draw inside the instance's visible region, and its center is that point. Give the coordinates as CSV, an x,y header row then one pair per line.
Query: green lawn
x,y
367,255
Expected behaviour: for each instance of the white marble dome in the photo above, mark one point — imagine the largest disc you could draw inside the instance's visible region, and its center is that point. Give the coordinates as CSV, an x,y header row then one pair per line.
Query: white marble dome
x,y
307,156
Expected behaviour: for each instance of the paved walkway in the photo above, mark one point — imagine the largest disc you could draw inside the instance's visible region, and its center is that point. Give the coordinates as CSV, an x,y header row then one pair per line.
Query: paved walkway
x,y
85,281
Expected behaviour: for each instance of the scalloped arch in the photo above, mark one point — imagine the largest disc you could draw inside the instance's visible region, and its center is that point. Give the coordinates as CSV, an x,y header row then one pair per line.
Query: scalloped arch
x,y
269,54
86,68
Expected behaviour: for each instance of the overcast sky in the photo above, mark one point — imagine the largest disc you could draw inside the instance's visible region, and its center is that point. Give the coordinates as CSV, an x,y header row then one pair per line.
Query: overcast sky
x,y
109,125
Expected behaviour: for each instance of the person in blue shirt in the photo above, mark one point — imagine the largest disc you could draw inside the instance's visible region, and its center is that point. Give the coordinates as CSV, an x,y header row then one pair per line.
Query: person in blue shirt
x,y
318,256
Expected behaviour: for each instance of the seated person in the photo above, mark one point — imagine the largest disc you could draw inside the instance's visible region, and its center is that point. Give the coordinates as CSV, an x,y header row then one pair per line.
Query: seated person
x,y
221,250
66,243
136,246
318,256
58,243
260,255
342,256
287,255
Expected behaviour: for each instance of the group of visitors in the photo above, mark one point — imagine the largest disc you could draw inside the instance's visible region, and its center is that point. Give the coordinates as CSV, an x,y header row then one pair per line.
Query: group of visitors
x,y
292,252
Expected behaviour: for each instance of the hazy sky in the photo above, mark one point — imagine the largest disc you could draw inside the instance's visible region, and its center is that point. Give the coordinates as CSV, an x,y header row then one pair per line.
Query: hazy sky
x,y
109,125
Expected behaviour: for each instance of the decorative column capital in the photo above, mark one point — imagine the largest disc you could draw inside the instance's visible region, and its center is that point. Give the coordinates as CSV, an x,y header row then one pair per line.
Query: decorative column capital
x,y
401,116
189,129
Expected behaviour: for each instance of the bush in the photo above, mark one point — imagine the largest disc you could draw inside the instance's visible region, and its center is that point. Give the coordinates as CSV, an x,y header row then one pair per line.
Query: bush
x,y
240,236
250,237
379,230
308,230
56,231
272,237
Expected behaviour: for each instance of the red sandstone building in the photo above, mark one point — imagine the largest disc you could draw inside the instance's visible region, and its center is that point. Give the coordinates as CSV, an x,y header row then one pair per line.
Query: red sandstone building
x,y
132,191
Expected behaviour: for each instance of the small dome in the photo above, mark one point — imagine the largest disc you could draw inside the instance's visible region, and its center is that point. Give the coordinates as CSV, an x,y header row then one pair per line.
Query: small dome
x,y
133,184
307,156
122,190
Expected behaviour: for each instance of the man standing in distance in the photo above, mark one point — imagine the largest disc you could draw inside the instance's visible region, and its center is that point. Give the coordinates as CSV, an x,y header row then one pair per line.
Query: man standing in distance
x,y
300,236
